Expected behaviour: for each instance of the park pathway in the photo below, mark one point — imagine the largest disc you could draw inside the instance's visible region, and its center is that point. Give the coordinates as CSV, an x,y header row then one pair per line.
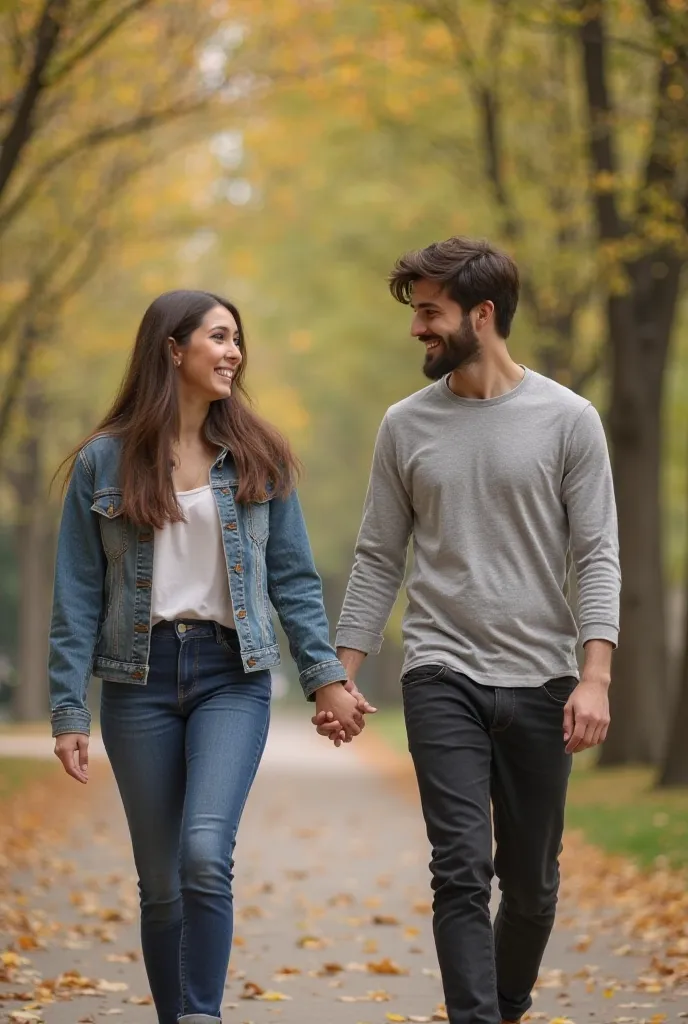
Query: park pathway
x,y
332,906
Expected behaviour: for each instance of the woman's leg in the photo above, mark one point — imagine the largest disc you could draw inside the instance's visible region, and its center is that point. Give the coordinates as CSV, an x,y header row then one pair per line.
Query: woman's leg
x,y
143,732
225,737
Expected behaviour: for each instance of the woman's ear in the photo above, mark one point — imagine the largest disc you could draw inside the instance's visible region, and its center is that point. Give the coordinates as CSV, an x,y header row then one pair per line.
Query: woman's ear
x,y
174,352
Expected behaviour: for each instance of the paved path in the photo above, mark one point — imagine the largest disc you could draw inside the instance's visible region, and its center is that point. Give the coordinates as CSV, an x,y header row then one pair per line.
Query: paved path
x,y
331,902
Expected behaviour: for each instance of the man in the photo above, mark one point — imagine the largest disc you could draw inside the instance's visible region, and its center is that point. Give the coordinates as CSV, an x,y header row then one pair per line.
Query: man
x,y
497,473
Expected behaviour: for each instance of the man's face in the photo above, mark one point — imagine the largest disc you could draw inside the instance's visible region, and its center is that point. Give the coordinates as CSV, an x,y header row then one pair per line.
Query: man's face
x,y
450,339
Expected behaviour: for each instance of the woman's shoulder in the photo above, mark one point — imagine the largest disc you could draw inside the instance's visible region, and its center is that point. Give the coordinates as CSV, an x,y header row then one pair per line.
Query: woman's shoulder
x,y
100,453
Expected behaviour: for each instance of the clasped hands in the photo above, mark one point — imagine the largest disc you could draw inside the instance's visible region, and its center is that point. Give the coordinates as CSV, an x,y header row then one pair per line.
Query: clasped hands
x,y
339,711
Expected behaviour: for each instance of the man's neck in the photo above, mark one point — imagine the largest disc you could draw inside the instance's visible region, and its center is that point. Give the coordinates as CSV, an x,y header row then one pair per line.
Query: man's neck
x,y
488,377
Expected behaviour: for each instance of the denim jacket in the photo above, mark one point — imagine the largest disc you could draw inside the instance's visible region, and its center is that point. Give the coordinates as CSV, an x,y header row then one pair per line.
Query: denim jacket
x,y
101,621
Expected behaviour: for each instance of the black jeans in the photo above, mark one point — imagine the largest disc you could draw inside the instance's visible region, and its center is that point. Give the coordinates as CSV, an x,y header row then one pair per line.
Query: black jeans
x,y
472,745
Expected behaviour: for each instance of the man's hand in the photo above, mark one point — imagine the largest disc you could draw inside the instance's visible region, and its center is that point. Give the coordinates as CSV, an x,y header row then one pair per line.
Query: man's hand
x,y
337,712
363,706
325,722
72,750
586,716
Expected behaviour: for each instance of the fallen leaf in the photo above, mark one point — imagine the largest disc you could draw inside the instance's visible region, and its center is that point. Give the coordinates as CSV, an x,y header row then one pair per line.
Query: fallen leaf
x,y
331,968
251,990
385,966
112,986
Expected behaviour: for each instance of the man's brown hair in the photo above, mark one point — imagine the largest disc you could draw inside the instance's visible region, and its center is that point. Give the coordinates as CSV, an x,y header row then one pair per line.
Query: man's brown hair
x,y
470,271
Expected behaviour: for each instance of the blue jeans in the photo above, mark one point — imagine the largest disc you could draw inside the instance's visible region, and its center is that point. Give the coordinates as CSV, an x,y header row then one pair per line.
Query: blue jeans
x,y
185,749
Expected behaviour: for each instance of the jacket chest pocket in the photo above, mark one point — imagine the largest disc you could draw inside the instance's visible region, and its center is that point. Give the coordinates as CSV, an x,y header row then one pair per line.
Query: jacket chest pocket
x,y
258,520
113,528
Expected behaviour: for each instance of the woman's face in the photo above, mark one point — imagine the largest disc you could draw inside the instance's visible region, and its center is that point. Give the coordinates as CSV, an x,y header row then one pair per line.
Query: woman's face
x,y
207,364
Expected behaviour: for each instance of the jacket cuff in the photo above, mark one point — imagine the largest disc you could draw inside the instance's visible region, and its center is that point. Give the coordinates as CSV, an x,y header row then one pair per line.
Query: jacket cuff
x,y
599,631
71,720
359,639
323,674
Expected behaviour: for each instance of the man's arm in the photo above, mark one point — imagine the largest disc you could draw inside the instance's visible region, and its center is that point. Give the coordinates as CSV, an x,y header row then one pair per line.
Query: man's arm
x,y
588,494
380,558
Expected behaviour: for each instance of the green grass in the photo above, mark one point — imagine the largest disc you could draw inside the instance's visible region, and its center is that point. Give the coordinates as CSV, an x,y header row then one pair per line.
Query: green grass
x,y
620,810
617,809
16,772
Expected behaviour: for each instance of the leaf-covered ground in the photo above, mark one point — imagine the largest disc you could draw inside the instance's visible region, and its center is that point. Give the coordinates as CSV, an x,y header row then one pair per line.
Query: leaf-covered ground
x,y
332,906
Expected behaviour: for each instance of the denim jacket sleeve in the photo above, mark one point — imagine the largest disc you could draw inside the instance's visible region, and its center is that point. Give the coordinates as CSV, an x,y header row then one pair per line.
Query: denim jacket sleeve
x,y
77,604
296,594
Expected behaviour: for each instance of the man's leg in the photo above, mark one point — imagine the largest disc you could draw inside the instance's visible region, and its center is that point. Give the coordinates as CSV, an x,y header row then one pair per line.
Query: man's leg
x,y
448,719
530,776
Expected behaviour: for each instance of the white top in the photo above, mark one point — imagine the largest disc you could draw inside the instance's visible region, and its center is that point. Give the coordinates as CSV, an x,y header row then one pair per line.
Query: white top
x,y
189,566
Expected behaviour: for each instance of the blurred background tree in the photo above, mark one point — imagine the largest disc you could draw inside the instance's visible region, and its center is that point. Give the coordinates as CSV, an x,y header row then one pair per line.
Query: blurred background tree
x,y
285,153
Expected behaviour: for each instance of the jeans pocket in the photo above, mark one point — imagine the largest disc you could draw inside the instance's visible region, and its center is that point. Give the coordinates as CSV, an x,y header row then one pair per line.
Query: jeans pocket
x,y
559,690
422,674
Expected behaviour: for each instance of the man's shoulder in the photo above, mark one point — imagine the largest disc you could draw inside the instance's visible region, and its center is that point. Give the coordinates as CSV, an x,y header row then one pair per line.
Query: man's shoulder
x,y
413,403
556,394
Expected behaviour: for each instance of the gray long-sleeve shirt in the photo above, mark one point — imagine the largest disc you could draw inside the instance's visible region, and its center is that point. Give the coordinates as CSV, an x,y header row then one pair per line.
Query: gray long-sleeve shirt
x,y
494,493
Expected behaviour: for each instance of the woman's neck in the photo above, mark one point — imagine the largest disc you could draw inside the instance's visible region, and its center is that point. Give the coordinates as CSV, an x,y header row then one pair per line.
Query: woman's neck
x,y
192,417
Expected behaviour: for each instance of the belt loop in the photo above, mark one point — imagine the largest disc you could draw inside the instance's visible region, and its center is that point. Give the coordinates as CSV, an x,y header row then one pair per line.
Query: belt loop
x,y
218,632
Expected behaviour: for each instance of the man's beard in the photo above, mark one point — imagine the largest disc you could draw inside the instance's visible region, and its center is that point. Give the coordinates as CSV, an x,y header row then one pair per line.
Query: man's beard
x,y
456,351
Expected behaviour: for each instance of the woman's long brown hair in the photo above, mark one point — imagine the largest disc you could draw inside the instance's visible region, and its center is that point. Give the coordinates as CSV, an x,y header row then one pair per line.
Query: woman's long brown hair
x,y
145,415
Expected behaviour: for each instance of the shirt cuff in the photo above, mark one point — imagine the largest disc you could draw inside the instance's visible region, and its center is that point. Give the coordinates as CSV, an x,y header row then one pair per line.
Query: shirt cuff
x,y
322,674
71,720
359,639
599,631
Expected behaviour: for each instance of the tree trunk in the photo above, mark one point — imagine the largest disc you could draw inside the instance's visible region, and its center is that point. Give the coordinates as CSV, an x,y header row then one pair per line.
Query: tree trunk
x,y
674,770
640,326
675,763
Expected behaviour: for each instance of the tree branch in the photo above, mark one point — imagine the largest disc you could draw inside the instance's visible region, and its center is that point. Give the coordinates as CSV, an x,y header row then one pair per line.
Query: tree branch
x,y
91,140
46,34
97,40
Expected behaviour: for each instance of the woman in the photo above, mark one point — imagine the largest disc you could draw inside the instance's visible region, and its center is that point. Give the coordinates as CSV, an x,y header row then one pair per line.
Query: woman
x,y
180,525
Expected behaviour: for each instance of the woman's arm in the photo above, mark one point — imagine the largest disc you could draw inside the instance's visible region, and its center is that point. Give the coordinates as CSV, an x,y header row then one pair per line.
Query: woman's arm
x,y
77,604
296,592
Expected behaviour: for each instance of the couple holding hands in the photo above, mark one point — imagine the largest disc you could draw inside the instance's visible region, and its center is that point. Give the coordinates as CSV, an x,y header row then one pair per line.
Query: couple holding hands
x,y
182,530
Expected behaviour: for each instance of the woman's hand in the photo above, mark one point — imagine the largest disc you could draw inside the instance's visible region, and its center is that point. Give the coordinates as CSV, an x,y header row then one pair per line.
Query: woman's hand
x,y
72,750
327,725
340,709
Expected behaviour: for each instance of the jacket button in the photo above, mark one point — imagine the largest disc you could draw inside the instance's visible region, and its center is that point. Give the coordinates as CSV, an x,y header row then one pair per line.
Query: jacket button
x,y
241,614
230,526
251,662
225,490
111,509
237,568
137,675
